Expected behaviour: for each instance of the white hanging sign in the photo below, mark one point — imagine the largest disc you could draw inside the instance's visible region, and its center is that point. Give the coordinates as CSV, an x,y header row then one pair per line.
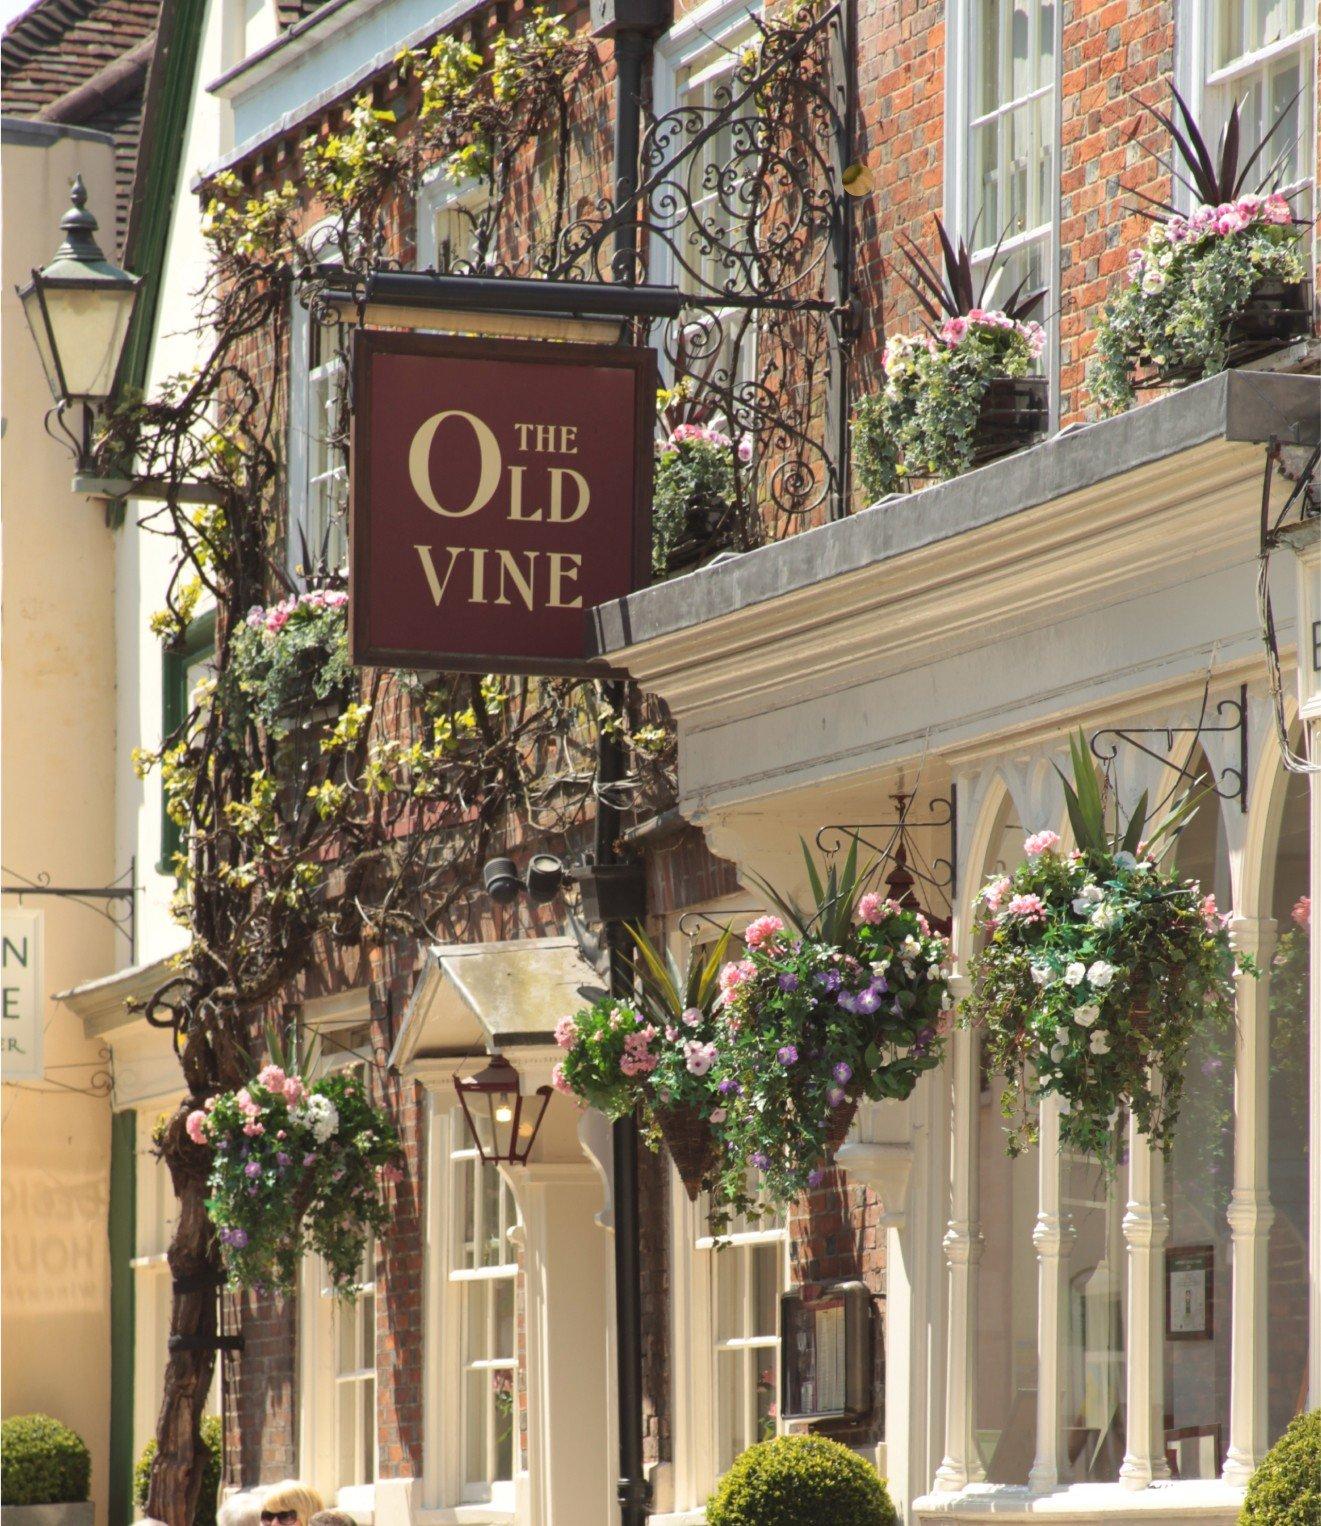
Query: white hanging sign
x,y
22,1010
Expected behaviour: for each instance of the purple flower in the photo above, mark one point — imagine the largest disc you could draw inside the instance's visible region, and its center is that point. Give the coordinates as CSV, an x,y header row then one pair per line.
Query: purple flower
x,y
729,1087
281,1160
867,1001
238,1238
788,981
760,1159
843,1073
828,980
787,1055
815,1178
835,1096
848,1001
252,1169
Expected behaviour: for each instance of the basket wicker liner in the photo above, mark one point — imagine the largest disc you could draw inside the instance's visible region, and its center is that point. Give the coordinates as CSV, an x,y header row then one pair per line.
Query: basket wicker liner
x,y
839,1124
692,1145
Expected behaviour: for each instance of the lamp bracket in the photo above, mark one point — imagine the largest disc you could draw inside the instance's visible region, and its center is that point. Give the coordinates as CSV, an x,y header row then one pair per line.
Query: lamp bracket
x,y
1232,781
116,903
896,841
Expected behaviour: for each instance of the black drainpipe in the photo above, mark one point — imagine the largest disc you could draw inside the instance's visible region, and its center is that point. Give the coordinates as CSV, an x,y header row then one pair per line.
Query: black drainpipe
x,y
633,25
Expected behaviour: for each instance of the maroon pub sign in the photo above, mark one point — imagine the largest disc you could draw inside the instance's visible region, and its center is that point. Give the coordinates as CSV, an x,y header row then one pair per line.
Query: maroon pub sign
x,y
501,488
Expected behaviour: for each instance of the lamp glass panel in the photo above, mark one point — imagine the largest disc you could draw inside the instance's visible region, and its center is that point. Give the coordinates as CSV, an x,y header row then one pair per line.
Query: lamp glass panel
x,y
88,327
41,337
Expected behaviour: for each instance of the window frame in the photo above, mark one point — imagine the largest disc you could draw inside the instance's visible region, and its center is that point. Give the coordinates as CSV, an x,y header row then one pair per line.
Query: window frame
x,y
961,27
306,382
440,193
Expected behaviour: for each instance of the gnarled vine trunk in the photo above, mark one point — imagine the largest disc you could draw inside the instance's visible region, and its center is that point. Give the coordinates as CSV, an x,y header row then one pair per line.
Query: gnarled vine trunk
x,y
196,1271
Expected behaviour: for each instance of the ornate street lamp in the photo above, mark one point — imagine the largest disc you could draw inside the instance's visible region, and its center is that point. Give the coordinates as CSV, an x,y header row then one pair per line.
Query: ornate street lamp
x,y
503,1129
79,308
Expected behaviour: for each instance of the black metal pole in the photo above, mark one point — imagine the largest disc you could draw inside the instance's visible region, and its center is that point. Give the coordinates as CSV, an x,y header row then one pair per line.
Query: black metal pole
x,y
631,48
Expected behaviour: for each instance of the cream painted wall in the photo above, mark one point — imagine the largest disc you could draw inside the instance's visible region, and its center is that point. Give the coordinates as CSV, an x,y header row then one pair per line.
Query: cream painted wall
x,y
58,780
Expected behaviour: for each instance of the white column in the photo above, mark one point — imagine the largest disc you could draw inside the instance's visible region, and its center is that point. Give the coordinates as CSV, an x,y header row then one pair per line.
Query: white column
x,y
963,1247
1250,1213
1052,1237
565,1268
1146,1229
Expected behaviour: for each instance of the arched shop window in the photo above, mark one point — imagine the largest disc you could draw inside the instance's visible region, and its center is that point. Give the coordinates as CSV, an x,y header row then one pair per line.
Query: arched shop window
x,y
1199,1178
1286,1331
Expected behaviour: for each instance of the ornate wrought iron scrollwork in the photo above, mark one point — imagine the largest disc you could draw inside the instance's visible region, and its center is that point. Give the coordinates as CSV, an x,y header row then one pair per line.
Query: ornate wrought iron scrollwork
x,y
1231,783
116,903
918,876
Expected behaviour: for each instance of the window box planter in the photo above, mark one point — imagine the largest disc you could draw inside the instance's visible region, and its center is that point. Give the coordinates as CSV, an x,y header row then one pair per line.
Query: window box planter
x,y
1015,413
1278,314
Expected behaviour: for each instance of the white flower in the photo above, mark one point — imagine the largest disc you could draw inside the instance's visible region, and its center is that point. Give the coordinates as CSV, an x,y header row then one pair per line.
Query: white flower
x,y
879,966
1086,1016
910,947
1125,860
1086,899
1040,973
1101,974
1100,1041
719,1115
322,1117
1062,1035
1057,1052
1106,915
1075,974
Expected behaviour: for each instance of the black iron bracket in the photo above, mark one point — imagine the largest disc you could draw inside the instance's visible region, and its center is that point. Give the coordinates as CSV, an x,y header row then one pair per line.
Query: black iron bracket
x,y
1232,781
116,903
896,842
205,1343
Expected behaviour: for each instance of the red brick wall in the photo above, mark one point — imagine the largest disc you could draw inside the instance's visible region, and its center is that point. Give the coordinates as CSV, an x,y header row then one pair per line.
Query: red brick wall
x,y
261,1440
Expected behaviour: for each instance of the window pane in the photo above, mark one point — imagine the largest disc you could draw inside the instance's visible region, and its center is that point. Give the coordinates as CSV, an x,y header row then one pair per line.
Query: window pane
x,y
1287,1155
768,1393
730,1271
1045,45
502,1292
730,1399
1021,158
1094,1432
467,1207
369,1431
493,1252
766,1283
987,97
502,1396
477,1392
986,219
1020,66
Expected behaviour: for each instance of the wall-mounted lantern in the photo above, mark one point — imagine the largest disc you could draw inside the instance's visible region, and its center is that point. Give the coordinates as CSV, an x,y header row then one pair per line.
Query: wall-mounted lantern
x,y
503,1122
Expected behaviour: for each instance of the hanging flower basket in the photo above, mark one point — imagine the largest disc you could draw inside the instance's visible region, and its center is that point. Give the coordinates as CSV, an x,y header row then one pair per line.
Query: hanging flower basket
x,y
691,1141
695,495
290,662
1099,967
848,1000
296,1169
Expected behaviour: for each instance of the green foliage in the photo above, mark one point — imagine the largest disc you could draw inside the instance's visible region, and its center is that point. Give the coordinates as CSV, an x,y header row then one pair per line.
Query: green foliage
x,y
296,1170
1286,1488
1098,969
1186,285
350,169
243,227
923,422
213,1440
695,492
288,658
800,1481
42,1462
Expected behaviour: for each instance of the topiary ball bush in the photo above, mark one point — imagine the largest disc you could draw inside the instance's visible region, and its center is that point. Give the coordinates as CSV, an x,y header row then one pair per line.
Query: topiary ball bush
x,y
800,1481
1286,1488
42,1462
213,1441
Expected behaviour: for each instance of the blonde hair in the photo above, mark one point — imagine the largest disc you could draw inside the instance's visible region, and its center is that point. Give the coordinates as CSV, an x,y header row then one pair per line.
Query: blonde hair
x,y
293,1495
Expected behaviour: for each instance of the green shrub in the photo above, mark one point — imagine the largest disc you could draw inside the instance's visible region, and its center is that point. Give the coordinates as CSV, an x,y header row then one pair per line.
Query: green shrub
x,y
1286,1489
42,1462
800,1481
212,1440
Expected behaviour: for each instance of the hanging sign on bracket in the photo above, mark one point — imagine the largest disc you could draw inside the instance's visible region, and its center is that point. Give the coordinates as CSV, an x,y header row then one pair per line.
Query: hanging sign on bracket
x,y
500,489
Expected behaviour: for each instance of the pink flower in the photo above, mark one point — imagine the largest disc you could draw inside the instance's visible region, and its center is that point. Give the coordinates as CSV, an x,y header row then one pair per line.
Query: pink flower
x,y
976,315
392,1173
731,977
1030,907
1230,220
253,1128
996,891
1277,210
745,449
637,1062
872,908
566,1033
272,1078
559,1081
195,1126
1041,842
763,930
1302,912
699,1058
953,330
1212,915
691,1017
294,1091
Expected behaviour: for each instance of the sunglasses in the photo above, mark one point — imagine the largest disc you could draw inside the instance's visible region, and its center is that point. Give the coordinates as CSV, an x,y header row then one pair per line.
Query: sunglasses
x,y
278,1515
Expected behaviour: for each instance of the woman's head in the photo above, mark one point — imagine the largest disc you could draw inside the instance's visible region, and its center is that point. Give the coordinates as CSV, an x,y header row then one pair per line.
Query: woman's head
x,y
290,1504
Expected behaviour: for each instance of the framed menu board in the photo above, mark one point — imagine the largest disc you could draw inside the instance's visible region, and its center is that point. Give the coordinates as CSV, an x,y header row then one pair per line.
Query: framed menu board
x,y
826,1345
